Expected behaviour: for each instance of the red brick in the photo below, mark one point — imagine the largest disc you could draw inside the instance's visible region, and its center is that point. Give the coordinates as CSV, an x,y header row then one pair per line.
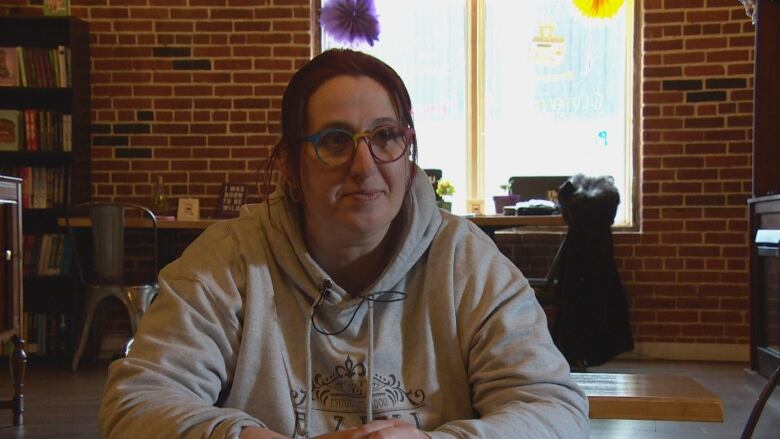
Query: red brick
x,y
681,238
172,26
701,251
227,165
682,4
701,330
706,43
680,316
189,165
704,70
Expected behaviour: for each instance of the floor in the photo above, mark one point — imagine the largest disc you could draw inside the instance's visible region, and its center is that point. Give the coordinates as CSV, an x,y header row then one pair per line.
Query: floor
x,y
62,404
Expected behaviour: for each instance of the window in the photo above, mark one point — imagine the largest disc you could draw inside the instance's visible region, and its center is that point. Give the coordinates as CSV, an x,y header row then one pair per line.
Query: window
x,y
507,88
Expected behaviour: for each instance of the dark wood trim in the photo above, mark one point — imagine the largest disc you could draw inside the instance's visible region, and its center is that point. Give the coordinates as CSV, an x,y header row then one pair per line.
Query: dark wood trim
x,y
766,95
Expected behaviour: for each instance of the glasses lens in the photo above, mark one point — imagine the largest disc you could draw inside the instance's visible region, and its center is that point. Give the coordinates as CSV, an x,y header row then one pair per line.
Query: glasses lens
x,y
335,147
388,143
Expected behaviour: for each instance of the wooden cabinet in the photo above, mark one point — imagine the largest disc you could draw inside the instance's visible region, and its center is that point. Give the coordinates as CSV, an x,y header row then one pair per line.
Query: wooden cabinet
x,y
56,173
765,284
764,208
11,286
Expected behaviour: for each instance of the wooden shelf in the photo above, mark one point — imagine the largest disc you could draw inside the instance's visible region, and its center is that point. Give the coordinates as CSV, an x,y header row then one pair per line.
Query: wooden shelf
x,y
51,99
36,158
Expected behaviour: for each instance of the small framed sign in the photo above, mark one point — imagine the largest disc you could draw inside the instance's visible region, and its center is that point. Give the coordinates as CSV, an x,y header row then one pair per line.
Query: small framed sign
x,y
189,209
231,198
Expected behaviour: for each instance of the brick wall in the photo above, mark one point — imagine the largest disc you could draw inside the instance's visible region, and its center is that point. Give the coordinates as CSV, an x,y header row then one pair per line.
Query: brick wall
x,y
186,89
687,272
190,89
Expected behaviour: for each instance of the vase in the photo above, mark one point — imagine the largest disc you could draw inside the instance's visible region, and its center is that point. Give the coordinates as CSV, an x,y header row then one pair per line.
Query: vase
x,y
446,205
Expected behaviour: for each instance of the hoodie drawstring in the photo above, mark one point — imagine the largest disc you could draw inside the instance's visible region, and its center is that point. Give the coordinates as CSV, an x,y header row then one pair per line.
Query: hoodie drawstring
x,y
324,292
397,296
370,371
307,348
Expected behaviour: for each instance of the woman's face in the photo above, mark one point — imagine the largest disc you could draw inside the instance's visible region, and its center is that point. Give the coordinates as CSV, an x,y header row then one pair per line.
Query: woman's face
x,y
359,199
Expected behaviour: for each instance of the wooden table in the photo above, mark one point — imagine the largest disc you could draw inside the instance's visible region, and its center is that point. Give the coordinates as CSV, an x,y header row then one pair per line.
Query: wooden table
x,y
498,221
168,227
488,223
139,223
648,397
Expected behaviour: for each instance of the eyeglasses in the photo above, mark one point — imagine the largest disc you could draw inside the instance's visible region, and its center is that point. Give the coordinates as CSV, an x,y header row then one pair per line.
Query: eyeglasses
x,y
336,146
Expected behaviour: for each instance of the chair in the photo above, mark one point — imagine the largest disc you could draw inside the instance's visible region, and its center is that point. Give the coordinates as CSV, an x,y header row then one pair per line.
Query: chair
x,y
546,288
107,279
536,187
758,407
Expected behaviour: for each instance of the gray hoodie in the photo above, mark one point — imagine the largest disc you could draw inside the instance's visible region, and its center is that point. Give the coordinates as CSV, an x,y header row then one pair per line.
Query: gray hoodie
x,y
450,339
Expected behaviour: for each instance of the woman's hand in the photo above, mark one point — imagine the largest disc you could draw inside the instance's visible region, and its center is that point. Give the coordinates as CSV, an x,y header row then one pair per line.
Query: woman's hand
x,y
389,429
386,429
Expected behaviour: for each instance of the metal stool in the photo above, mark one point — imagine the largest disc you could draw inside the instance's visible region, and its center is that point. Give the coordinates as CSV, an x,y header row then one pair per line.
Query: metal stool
x,y
108,252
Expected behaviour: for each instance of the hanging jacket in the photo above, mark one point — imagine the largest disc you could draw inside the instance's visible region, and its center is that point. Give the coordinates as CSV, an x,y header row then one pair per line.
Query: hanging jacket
x,y
592,324
450,339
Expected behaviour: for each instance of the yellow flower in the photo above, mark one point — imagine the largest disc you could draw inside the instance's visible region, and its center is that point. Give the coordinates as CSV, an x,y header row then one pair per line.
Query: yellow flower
x,y
445,188
599,8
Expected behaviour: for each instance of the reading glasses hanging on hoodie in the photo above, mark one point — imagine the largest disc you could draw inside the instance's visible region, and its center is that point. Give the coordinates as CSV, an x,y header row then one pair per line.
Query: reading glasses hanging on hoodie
x,y
396,296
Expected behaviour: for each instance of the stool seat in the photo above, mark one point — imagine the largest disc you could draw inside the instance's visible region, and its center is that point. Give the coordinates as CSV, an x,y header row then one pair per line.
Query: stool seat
x,y
135,298
107,268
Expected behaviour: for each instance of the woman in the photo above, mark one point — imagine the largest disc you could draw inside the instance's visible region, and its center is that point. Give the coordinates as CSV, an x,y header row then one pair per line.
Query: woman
x,y
348,306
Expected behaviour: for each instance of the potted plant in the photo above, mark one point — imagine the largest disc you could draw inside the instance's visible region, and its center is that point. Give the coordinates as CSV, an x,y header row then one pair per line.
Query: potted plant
x,y
445,189
509,199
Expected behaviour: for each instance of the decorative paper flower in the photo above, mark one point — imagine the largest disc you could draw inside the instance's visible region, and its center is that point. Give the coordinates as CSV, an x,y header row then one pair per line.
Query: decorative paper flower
x,y
445,188
598,8
350,21
750,9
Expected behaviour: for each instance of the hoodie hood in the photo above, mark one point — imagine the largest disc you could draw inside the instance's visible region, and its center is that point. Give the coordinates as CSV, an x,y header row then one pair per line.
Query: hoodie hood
x,y
284,231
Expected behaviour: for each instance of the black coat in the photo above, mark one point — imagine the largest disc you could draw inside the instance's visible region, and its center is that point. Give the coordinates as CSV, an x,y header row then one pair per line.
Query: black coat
x,y
592,324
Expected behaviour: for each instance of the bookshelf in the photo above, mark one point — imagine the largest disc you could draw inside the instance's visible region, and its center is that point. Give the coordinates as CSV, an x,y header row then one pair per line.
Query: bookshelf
x,y
51,96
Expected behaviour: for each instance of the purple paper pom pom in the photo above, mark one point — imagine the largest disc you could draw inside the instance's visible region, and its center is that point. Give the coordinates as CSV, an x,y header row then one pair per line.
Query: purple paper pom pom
x,y
350,21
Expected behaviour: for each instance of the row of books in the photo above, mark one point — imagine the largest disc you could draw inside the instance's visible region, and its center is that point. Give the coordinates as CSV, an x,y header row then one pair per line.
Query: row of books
x,y
35,130
35,67
46,333
42,188
47,254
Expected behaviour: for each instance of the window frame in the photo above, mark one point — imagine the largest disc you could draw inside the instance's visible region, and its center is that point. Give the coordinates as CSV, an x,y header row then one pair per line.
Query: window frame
x,y
475,105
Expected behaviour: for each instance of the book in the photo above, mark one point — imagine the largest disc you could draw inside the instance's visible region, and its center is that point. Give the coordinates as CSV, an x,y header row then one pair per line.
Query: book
x,y
9,67
25,173
66,255
56,7
231,197
55,255
31,127
45,253
62,54
11,130
22,69
67,128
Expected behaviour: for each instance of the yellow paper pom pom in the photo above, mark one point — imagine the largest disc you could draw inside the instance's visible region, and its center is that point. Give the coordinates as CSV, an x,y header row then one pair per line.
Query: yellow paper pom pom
x,y
598,8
